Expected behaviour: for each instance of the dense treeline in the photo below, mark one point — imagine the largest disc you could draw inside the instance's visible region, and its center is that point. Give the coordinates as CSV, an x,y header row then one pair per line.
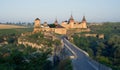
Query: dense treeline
x,y
13,57
105,50
107,28
20,57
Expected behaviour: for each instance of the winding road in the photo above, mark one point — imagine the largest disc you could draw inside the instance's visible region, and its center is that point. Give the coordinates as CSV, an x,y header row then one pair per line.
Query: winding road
x,y
81,60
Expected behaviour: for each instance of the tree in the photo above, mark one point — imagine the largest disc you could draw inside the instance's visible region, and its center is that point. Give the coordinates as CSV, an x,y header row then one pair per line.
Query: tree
x,y
10,40
1,40
65,64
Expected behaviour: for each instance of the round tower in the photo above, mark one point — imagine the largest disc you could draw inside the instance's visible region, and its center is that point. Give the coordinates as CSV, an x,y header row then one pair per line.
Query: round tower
x,y
37,25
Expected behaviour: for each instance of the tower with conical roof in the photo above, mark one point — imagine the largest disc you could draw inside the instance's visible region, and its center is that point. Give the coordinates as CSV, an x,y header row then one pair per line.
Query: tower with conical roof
x,y
71,22
56,22
84,23
71,19
83,20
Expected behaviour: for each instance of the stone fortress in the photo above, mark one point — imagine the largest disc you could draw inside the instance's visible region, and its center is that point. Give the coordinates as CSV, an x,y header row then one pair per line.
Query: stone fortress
x,y
67,28
62,28
71,23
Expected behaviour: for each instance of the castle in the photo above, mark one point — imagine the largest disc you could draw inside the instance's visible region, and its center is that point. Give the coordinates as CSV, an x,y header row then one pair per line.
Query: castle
x,y
61,28
72,24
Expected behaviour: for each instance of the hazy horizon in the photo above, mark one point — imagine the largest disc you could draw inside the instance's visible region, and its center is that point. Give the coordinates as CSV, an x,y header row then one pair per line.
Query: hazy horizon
x,y
28,10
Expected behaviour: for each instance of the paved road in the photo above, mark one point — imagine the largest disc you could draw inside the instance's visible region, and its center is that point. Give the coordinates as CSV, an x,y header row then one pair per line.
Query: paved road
x,y
82,61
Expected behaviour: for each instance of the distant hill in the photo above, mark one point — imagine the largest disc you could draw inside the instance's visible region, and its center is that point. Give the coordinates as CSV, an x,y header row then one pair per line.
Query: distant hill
x,y
5,26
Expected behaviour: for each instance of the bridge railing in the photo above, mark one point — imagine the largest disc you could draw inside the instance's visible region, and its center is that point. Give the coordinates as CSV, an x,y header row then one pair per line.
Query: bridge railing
x,y
78,48
99,65
73,53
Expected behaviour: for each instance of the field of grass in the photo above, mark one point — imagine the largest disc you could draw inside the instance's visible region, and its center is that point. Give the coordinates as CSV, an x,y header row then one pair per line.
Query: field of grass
x,y
5,26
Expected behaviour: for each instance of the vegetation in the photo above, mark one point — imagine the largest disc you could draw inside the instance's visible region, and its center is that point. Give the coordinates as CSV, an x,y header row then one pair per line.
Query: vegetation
x,y
13,57
11,35
20,57
105,50
65,64
52,25
37,38
108,28
14,31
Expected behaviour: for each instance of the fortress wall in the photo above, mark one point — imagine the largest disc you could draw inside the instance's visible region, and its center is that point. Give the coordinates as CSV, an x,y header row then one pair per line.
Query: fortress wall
x,y
37,29
67,26
60,30
77,25
48,29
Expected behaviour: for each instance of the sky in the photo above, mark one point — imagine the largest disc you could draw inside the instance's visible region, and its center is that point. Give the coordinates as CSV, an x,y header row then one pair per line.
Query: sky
x,y
49,10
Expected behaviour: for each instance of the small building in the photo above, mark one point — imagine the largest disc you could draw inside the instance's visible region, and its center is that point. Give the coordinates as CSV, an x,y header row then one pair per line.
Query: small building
x,y
101,36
